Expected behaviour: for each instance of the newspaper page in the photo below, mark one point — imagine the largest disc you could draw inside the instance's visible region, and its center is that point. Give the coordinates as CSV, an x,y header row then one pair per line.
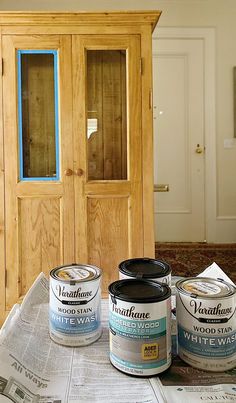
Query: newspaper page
x,y
182,382
215,271
35,369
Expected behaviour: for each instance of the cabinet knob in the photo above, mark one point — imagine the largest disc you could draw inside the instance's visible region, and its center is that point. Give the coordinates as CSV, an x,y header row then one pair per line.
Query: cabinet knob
x,y
79,172
68,172
199,150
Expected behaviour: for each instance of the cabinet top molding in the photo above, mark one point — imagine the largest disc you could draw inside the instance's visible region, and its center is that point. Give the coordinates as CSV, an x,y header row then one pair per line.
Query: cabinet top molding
x,y
81,18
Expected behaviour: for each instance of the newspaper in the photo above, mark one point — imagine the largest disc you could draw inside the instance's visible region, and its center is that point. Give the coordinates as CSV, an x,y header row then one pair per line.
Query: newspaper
x,y
183,383
215,271
35,369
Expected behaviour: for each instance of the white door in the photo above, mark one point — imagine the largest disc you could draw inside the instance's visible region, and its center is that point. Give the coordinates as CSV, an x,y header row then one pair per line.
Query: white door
x,y
178,71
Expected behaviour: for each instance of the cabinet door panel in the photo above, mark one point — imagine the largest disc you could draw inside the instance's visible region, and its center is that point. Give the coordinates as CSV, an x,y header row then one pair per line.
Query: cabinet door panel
x,y
39,232
39,197
108,157
107,234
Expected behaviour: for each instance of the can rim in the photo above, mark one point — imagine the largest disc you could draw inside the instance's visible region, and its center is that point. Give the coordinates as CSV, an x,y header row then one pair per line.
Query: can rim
x,y
94,270
140,272
219,282
115,291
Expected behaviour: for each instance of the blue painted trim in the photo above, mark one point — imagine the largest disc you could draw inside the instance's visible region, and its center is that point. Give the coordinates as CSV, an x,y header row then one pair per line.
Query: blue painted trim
x,y
20,114
21,167
37,51
56,113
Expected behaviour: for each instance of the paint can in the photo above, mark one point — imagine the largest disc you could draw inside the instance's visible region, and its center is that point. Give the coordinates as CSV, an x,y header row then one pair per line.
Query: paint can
x,y
140,326
206,322
145,268
75,305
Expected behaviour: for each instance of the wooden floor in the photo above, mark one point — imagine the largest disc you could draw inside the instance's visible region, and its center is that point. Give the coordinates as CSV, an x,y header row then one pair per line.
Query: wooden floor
x,y
189,259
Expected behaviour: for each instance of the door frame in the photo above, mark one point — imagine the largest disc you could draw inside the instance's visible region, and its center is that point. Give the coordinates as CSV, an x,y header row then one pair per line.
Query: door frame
x,y
207,35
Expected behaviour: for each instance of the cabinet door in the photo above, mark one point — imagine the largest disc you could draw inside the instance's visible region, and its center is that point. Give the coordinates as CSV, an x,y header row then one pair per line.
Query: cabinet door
x,y
39,189
107,151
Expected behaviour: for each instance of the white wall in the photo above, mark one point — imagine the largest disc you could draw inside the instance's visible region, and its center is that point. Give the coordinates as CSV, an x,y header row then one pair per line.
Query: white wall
x,y
220,14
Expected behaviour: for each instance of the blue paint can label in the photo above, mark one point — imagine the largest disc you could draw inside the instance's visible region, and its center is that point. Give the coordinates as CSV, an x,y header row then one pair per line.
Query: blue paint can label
x,y
75,305
206,321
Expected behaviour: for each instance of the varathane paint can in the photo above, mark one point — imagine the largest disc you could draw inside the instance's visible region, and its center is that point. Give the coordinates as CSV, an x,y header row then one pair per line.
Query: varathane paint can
x,y
75,305
140,326
206,321
145,268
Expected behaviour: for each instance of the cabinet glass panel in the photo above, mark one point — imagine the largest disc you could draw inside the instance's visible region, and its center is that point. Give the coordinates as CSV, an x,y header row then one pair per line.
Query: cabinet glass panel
x,y
38,114
106,114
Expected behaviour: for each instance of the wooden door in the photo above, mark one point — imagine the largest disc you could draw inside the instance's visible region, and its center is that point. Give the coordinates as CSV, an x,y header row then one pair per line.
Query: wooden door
x,y
178,70
38,146
107,151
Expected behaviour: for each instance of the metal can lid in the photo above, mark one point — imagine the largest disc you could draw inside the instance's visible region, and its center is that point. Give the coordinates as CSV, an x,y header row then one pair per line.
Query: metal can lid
x,y
205,288
76,273
144,268
139,291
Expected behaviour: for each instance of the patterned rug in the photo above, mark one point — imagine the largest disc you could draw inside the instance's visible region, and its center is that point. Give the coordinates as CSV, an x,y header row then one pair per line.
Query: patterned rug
x,y
189,259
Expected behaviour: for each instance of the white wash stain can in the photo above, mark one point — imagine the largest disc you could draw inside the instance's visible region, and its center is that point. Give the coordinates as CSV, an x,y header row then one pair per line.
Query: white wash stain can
x,y
140,326
145,268
75,305
206,321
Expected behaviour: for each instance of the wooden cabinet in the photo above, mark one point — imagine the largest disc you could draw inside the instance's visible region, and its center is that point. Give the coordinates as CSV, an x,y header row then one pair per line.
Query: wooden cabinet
x,y
76,175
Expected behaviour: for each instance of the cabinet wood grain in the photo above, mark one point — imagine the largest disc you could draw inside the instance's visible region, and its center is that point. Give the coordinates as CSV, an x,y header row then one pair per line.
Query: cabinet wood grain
x,y
102,212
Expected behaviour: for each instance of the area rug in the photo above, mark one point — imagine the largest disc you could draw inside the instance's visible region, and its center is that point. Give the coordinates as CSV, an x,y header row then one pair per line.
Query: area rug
x,y
189,259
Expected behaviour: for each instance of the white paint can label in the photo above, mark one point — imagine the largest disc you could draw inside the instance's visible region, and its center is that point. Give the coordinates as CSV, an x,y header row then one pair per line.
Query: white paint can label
x,y
75,305
140,334
206,321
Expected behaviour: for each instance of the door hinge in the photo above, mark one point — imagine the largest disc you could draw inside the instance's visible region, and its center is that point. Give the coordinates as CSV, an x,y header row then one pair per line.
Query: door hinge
x,y
5,279
2,67
141,65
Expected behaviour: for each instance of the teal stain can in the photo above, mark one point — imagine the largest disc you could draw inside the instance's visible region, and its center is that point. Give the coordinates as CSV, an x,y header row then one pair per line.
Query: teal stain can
x,y
140,326
145,268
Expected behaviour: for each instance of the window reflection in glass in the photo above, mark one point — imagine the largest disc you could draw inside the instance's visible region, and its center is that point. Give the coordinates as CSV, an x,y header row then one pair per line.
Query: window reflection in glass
x,y
106,114
38,126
